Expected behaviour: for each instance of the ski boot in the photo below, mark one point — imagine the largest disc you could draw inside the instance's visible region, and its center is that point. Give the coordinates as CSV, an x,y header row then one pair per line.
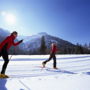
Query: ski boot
x,y
4,76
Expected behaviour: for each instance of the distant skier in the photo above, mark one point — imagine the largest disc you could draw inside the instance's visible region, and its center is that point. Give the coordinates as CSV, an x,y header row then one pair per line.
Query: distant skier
x,y
52,55
4,46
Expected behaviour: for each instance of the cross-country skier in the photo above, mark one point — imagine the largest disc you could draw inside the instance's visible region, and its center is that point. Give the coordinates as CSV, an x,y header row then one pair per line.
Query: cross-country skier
x,y
52,55
4,47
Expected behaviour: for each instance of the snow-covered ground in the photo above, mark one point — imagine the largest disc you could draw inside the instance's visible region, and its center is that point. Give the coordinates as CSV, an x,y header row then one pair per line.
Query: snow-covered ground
x,y
26,73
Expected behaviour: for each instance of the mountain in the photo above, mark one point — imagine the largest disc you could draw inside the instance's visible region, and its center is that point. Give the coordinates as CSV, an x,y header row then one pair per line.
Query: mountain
x,y
32,43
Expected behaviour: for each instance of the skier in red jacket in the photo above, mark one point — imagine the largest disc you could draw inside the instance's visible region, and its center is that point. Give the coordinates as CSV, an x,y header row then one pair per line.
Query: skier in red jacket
x,y
4,46
52,55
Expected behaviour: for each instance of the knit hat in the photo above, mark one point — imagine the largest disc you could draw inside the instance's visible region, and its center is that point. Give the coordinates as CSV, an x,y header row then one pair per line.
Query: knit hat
x,y
14,32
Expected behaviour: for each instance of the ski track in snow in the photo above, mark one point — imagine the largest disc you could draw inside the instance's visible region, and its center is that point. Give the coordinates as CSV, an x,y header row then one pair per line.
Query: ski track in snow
x,y
22,69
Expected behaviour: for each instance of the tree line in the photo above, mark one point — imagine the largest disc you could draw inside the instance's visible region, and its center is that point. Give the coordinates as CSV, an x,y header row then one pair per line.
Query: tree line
x,y
76,49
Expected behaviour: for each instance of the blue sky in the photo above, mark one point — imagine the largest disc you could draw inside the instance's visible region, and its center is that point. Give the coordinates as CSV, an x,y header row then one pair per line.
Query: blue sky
x,y
67,19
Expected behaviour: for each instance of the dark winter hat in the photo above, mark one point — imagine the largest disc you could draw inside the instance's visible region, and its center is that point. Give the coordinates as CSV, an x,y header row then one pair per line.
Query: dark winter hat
x,y
14,32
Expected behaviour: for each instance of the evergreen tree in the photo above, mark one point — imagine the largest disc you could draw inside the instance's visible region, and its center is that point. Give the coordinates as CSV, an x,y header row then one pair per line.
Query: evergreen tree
x,y
85,45
79,49
43,46
89,46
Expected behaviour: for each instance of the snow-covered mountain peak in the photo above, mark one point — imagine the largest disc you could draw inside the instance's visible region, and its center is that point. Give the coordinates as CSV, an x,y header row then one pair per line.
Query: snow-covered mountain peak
x,y
42,33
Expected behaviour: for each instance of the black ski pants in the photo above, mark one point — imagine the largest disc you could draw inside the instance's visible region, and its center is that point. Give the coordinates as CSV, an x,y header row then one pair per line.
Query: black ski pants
x,y
52,55
4,54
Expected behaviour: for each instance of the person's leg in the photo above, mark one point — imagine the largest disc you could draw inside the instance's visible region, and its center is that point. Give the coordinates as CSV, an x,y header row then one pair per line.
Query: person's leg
x,y
4,67
6,61
50,57
0,53
54,62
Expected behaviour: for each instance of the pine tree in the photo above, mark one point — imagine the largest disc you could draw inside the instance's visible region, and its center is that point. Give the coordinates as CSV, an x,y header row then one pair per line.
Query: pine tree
x,y
79,49
89,46
43,46
85,45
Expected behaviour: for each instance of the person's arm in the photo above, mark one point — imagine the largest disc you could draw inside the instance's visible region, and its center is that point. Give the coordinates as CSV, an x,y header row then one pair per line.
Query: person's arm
x,y
15,44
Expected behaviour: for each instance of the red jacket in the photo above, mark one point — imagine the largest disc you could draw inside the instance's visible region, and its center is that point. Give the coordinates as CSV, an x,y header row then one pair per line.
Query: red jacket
x,y
10,41
53,49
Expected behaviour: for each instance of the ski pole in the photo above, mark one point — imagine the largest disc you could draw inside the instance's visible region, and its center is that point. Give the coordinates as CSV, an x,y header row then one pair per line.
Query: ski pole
x,y
10,57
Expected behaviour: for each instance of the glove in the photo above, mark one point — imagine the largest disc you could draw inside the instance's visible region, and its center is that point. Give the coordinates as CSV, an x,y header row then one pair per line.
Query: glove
x,y
20,41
